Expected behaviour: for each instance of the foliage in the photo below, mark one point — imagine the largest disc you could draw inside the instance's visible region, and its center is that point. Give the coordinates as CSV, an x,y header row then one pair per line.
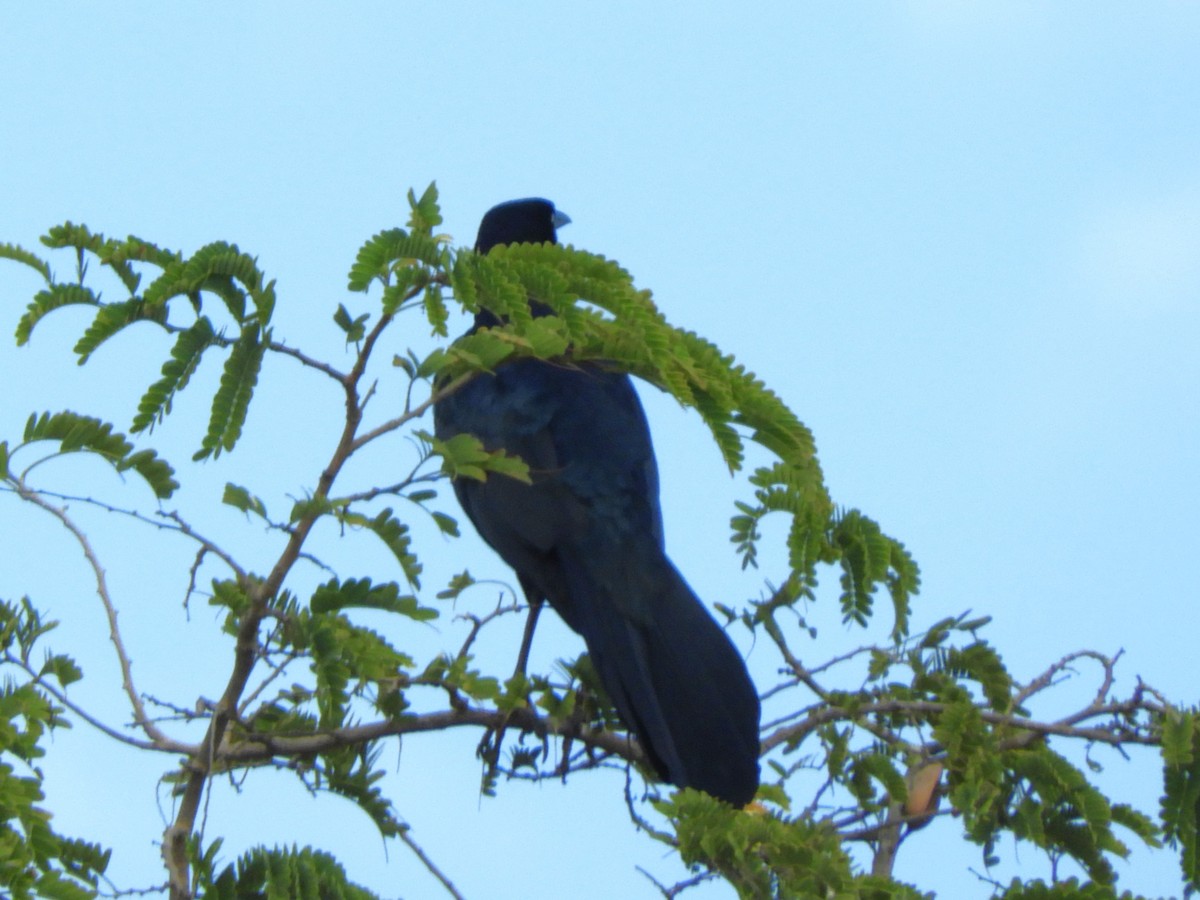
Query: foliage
x,y
286,874
863,749
35,860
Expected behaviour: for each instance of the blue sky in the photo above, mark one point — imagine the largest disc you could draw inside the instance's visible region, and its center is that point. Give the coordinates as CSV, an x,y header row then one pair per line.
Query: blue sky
x,y
962,241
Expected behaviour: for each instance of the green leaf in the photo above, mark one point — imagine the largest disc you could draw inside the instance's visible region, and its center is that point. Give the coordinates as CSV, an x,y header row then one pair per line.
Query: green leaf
x,y
464,456
1179,728
75,433
479,351
107,251
457,585
435,310
221,269
1180,803
404,283
334,596
134,249
112,318
426,215
285,874
232,399
376,257
980,662
45,302
313,507
63,668
394,534
355,328
447,525
240,498
177,371
21,255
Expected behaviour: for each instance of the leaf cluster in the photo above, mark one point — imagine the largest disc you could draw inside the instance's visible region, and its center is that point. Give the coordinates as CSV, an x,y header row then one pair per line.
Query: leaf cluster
x,y
35,860
218,270
282,873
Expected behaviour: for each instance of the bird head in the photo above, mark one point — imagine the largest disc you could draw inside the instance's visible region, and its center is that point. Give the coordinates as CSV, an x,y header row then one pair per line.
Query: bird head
x,y
529,221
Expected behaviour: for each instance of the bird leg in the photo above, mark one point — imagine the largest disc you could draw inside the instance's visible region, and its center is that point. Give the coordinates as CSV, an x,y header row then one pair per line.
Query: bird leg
x,y
535,609
489,747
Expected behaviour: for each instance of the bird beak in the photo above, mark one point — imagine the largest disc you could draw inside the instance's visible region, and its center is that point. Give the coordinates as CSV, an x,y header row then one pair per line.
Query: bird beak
x,y
560,219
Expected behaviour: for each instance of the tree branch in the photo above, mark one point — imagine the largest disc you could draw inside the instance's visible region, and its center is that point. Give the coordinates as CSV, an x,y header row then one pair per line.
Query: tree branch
x,y
246,649
140,719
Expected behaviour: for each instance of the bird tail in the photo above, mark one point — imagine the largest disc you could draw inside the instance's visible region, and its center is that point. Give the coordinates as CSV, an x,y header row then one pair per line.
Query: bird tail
x,y
674,676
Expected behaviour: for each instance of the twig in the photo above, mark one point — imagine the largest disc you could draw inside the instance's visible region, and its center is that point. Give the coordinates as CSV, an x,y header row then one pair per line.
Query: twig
x,y
429,864
165,745
140,718
178,524
275,672
923,709
275,346
478,622
246,649
185,529
415,413
257,748
680,886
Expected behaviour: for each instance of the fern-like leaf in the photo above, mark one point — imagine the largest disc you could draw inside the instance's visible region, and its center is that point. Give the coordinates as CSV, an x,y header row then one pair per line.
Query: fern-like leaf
x,y
426,215
75,432
395,535
232,399
377,256
334,596
177,371
298,874
21,255
435,310
108,252
220,269
240,498
134,249
45,302
112,318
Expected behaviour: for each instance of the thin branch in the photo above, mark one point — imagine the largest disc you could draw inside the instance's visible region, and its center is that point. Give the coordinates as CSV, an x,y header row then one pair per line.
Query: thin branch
x,y
415,413
257,748
679,887
166,745
246,649
1047,678
178,524
114,632
478,622
220,340
275,672
1068,726
306,360
429,864
185,529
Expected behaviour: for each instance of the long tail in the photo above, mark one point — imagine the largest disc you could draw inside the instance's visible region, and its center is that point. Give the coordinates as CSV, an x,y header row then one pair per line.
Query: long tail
x,y
674,676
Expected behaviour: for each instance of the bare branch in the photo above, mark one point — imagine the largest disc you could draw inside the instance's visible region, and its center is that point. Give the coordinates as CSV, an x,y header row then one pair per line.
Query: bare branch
x,y
177,523
276,347
1114,734
165,745
259,748
429,864
140,718
415,413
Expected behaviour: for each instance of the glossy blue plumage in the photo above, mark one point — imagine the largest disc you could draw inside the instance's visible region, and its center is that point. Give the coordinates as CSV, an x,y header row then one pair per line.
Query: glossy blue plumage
x,y
587,536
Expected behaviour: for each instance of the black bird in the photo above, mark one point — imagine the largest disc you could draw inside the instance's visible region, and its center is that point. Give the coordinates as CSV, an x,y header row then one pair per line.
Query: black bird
x,y
587,536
